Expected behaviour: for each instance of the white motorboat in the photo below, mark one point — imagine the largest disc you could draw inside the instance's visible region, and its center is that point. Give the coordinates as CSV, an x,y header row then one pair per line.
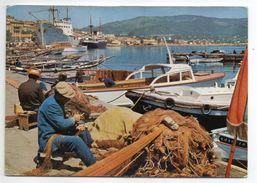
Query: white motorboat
x,y
159,76
74,50
209,104
199,59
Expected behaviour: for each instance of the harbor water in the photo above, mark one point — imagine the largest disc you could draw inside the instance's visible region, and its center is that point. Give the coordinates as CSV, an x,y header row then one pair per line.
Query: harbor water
x,y
134,57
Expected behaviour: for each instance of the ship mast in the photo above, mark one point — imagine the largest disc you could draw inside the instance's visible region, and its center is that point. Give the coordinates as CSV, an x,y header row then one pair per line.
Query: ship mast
x,y
91,26
52,11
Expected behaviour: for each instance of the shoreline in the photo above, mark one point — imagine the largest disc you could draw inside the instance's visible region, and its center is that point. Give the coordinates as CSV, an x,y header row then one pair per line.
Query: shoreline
x,y
221,45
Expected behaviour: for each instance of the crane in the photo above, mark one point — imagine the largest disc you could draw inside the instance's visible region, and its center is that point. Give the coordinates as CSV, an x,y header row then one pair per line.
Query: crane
x,y
33,12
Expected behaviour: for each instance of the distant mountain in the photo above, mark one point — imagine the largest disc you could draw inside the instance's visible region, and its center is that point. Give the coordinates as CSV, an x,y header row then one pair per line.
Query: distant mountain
x,y
179,26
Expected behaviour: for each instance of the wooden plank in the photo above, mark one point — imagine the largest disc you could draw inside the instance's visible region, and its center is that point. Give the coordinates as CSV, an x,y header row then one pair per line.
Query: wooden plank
x,y
106,166
117,84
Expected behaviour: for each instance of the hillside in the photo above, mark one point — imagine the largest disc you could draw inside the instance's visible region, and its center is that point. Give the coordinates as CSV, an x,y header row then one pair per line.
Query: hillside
x,y
182,26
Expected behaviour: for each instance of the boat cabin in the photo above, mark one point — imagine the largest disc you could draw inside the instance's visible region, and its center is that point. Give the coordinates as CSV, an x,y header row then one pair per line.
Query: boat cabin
x,y
162,74
152,75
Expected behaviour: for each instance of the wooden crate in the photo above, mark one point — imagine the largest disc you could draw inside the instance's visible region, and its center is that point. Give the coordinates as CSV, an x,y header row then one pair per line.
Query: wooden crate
x,y
27,119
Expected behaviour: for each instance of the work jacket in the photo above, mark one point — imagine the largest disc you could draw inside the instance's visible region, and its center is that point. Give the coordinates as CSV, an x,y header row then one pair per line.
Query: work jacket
x,y
30,95
51,120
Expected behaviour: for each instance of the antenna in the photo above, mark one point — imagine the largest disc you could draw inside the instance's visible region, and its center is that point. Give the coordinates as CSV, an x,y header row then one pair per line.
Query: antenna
x,y
67,13
171,58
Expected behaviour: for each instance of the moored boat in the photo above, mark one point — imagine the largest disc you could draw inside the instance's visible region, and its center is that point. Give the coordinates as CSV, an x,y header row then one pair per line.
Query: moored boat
x,y
60,66
159,76
206,103
93,43
223,141
74,50
200,59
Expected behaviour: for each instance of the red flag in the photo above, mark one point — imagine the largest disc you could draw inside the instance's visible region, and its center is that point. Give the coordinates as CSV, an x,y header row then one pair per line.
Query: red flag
x,y
238,103
236,113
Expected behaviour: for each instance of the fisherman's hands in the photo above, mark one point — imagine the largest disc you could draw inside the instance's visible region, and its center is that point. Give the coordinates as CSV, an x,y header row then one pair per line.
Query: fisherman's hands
x,y
81,128
76,117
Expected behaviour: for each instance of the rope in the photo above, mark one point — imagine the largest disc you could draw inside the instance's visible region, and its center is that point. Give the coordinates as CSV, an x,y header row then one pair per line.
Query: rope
x,y
116,98
138,99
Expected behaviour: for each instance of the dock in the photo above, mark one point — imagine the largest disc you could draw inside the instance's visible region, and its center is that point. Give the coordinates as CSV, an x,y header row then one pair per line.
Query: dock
x,y
227,57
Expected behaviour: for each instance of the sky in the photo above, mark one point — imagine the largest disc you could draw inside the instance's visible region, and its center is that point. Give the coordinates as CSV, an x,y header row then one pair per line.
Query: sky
x,y
80,16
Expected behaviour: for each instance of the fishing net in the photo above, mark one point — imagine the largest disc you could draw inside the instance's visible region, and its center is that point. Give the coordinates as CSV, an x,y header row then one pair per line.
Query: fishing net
x,y
81,104
185,151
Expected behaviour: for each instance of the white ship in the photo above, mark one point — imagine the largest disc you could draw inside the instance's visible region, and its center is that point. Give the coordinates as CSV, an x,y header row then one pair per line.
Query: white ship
x,y
56,31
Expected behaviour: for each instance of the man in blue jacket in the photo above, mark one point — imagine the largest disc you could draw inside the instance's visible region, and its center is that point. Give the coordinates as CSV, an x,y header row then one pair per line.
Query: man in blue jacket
x,y
52,121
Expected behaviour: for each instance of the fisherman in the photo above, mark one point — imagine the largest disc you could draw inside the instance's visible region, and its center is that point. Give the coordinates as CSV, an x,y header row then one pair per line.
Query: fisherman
x,y
29,92
79,75
18,62
108,82
58,131
62,76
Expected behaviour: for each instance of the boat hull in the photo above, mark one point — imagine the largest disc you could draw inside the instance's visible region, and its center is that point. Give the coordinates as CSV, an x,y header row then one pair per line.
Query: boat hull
x,y
117,96
74,50
209,119
51,34
94,44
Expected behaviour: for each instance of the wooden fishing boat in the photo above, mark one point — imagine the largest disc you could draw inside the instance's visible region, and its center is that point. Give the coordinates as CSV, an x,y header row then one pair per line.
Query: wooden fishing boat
x,y
223,141
63,66
159,76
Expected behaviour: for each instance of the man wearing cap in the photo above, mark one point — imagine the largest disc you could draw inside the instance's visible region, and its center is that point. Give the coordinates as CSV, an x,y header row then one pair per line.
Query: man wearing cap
x,y
29,92
52,121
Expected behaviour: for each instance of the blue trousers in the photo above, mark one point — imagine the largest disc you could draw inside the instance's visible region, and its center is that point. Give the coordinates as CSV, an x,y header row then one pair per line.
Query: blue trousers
x,y
78,144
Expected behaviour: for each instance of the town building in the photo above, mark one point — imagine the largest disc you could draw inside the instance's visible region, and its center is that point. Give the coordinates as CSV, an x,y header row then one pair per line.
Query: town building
x,y
20,31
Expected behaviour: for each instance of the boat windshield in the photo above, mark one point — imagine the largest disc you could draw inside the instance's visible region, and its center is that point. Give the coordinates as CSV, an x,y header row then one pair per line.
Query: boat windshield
x,y
152,72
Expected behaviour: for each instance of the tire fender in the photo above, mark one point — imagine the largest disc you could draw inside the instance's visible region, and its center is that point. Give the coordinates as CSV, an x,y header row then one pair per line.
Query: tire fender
x,y
206,109
169,103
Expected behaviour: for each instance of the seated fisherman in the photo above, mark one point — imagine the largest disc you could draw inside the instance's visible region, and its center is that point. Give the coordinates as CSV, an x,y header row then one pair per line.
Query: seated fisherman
x,y
59,131
30,94
108,82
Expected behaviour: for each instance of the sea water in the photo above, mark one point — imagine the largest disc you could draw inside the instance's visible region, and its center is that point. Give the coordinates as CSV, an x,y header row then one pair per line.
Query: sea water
x,y
134,57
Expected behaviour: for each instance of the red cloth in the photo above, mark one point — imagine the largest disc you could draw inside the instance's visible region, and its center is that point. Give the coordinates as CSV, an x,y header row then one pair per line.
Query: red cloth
x,y
239,99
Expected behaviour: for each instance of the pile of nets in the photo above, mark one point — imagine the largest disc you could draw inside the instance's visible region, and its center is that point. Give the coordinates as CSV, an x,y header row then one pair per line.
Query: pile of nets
x,y
182,152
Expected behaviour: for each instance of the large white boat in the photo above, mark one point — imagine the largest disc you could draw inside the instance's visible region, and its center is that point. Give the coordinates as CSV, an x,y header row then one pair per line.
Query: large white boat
x,y
56,31
209,104
159,76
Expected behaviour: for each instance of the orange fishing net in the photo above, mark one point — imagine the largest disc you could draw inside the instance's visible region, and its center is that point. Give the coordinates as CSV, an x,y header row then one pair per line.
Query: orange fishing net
x,y
81,104
185,152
